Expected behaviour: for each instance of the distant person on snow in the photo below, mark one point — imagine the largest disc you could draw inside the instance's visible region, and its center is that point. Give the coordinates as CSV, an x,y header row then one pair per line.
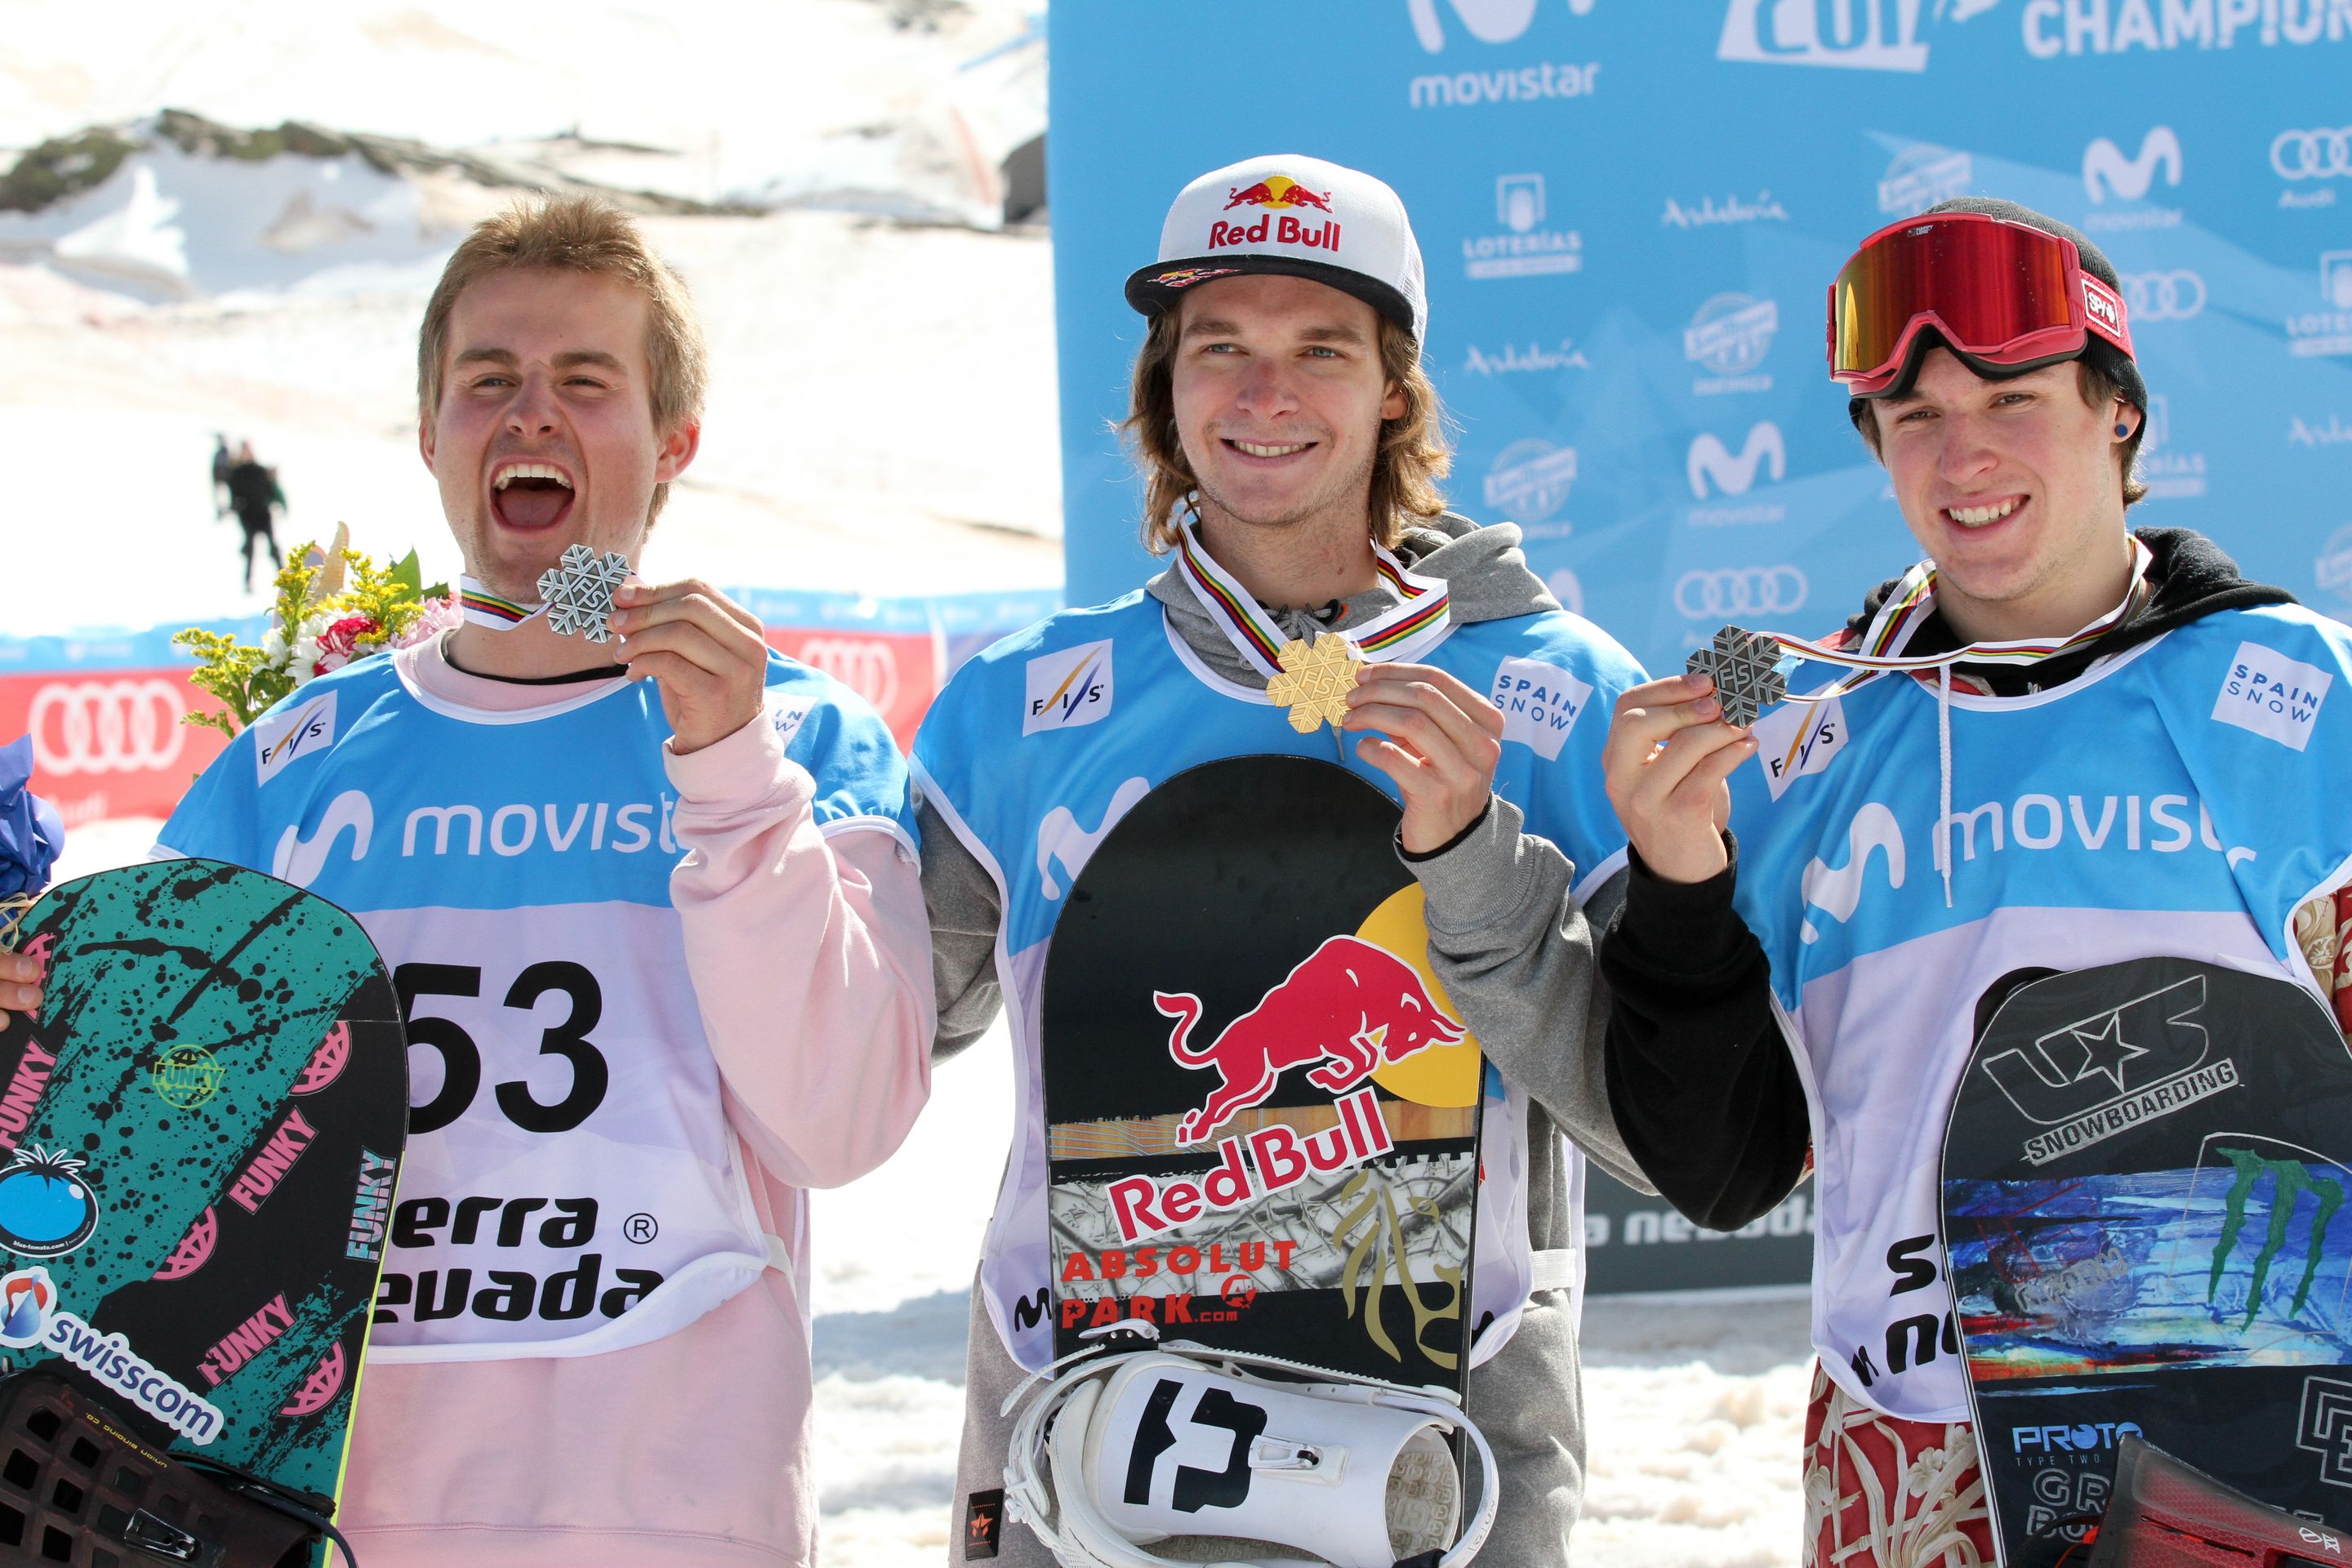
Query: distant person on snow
x,y
223,461
252,493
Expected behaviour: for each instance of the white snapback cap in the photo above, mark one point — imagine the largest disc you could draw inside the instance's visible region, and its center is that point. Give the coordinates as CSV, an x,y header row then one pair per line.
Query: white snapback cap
x,y
1291,214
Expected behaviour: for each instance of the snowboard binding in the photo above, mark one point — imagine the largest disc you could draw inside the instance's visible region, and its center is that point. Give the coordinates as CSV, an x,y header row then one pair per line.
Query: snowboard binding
x,y
76,1487
2166,1514
1176,1439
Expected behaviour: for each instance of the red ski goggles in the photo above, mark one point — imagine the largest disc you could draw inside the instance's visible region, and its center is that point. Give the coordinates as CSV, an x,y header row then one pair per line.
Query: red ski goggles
x,y
2003,296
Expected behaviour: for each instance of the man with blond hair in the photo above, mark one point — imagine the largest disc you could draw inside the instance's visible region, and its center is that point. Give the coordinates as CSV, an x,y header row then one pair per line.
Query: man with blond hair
x,y
653,912
1291,448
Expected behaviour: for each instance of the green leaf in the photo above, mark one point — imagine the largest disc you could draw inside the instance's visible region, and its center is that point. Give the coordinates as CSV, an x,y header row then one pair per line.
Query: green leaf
x,y
408,574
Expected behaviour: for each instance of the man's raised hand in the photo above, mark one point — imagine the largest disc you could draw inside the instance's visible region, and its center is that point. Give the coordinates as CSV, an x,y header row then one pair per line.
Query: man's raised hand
x,y
1442,743
708,654
1665,766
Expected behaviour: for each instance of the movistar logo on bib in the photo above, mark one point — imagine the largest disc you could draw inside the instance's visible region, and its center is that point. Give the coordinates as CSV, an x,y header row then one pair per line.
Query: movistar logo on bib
x,y
1068,689
2272,694
1540,702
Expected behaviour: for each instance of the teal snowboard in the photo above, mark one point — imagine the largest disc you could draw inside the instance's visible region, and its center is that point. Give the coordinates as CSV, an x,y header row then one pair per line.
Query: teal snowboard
x,y
199,1137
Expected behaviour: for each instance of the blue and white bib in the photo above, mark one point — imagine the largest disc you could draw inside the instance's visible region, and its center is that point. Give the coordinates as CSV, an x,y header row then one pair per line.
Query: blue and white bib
x,y
1041,743
2175,799
571,1185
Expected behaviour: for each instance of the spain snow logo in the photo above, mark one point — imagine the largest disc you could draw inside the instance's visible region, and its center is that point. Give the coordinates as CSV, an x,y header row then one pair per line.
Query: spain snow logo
x,y
46,1207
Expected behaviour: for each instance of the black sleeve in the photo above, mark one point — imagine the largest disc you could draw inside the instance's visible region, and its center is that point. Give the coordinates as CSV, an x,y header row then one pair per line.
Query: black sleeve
x,y
1700,1078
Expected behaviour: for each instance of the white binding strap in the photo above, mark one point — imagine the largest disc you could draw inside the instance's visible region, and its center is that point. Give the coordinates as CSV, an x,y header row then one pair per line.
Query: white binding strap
x,y
1553,1269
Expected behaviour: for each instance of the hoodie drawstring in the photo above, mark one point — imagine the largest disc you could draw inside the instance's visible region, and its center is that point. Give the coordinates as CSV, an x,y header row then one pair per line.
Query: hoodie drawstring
x,y
1944,777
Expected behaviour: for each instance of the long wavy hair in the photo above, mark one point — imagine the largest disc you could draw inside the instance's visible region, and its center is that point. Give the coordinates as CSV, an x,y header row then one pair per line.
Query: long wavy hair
x,y
1413,454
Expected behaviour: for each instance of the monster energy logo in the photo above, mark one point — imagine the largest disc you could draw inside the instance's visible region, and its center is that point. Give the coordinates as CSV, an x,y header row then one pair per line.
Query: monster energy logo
x,y
2291,1179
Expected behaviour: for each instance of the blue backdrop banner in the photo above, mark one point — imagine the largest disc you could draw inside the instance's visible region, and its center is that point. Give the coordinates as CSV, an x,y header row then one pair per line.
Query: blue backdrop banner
x,y
1632,209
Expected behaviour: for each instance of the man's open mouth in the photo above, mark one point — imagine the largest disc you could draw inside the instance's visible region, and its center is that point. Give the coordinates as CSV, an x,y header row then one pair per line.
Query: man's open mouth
x,y
530,495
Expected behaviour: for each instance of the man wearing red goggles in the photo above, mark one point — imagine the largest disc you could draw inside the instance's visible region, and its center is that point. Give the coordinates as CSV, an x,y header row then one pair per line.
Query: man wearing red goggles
x,y
1806,999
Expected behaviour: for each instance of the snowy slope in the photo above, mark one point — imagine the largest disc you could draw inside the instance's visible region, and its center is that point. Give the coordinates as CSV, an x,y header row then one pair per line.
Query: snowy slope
x,y
764,102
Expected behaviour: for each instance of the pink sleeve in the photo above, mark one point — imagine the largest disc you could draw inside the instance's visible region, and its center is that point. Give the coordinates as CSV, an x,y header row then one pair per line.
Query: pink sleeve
x,y
811,956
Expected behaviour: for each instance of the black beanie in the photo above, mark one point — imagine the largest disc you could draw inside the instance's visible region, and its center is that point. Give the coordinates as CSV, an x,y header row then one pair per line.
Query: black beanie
x,y
2102,355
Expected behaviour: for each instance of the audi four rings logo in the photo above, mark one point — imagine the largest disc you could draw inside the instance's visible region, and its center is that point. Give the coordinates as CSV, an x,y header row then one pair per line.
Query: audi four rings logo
x,y
2163,296
1740,590
2313,154
868,667
106,726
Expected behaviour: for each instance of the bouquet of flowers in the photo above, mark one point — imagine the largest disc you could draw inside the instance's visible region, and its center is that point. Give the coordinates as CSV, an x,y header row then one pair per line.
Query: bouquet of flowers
x,y
333,606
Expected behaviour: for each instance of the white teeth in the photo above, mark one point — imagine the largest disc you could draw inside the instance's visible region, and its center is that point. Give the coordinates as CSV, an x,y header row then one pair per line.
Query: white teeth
x,y
1977,516
514,471
1257,451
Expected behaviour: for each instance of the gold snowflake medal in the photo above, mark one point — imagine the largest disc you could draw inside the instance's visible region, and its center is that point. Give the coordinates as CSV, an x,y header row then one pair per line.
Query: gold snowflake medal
x,y
1315,680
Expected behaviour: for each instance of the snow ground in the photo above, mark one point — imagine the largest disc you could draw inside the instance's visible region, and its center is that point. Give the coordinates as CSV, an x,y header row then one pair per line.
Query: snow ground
x,y
1694,1404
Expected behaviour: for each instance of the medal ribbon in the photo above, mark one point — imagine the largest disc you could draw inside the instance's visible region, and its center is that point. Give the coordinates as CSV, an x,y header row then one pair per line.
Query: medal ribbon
x,y
1914,597
1414,625
484,608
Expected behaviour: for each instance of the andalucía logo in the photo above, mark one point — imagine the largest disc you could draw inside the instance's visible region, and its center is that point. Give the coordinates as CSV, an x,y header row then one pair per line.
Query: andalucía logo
x,y
26,1299
46,1207
2099,1076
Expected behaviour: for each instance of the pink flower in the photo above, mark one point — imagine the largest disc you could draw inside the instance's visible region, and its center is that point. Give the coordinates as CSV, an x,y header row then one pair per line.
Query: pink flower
x,y
435,617
338,644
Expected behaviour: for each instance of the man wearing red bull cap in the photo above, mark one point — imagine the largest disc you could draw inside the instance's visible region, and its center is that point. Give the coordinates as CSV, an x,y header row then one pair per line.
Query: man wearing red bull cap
x,y
1810,997
1291,444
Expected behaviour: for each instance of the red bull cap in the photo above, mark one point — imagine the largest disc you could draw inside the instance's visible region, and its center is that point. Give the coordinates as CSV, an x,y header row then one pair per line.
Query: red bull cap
x,y
1292,214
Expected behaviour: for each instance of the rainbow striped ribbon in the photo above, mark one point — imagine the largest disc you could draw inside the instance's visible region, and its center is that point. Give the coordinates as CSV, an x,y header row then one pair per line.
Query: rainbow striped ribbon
x,y
1414,626
1914,597
484,608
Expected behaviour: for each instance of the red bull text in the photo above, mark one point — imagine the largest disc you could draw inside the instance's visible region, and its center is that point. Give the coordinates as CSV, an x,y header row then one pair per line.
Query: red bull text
x,y
1278,1159
1283,230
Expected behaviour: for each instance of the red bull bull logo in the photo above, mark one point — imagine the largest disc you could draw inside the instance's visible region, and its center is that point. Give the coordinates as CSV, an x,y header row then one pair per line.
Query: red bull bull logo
x,y
1278,190
1349,1006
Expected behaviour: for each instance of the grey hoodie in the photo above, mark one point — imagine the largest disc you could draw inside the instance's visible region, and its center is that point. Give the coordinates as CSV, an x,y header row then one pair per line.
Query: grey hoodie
x,y
1511,945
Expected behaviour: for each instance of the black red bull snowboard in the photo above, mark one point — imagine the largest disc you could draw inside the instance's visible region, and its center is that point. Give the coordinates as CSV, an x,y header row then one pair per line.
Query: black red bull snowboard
x,y
199,1137
1262,1111
2145,1225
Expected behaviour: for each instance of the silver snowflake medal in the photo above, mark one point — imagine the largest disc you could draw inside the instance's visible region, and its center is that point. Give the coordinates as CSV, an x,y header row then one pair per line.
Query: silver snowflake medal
x,y
579,592
1746,669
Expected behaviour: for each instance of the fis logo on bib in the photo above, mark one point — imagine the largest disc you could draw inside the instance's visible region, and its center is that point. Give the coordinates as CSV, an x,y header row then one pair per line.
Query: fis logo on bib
x,y
299,730
1540,702
1069,687
2271,694
1799,738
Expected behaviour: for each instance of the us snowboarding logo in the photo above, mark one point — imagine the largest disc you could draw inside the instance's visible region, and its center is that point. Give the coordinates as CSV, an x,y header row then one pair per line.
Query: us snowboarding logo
x,y
46,1209
1349,1006
2102,1075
